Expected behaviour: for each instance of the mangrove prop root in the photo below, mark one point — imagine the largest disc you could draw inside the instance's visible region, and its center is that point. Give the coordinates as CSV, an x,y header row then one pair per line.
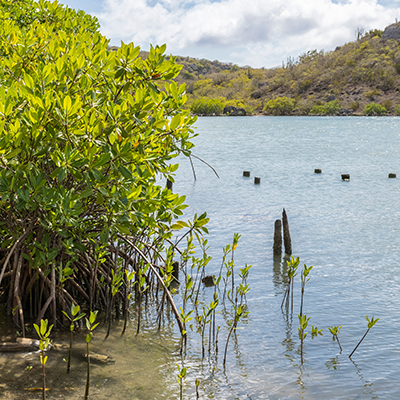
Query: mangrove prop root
x,y
41,290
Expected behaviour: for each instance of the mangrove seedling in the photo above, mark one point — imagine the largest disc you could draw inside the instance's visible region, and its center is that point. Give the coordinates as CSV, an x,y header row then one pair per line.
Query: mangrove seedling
x,y
141,288
371,323
335,332
240,308
293,264
315,331
185,318
44,341
304,280
197,388
90,324
235,242
73,318
303,320
205,319
181,376
116,283
128,279
229,265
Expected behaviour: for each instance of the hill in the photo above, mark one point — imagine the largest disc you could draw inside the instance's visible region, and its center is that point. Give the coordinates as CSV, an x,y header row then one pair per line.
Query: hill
x,y
359,77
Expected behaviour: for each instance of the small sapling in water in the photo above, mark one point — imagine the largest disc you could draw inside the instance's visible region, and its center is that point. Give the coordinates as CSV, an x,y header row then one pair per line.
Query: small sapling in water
x,y
371,323
293,264
303,320
335,332
73,318
197,388
90,324
181,376
44,341
239,308
315,331
304,280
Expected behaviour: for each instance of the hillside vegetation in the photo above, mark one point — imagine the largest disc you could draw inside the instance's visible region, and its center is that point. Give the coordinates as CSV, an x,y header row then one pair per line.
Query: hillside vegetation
x,y
359,78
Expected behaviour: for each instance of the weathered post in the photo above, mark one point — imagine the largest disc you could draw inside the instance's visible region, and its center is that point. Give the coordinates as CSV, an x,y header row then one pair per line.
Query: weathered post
x,y
246,174
175,270
169,185
345,177
257,180
278,238
317,171
286,234
391,175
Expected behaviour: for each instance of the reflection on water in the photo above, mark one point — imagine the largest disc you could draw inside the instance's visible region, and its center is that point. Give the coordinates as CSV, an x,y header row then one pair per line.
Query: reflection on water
x,y
368,386
280,278
333,363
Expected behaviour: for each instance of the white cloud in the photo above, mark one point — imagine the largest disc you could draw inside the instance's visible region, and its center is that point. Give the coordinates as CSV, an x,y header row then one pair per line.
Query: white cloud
x,y
257,32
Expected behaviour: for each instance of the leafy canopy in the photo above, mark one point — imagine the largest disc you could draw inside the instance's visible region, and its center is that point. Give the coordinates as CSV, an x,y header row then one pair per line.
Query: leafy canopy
x,y
84,131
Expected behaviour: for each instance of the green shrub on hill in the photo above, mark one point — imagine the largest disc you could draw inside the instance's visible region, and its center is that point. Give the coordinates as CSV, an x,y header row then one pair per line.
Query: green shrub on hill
x,y
374,109
330,108
205,106
279,106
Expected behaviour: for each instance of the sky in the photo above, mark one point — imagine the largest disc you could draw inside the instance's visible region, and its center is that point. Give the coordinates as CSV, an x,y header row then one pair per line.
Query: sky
x,y
256,33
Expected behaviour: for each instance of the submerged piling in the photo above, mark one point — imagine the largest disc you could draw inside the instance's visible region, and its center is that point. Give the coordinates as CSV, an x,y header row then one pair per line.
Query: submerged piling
x,y
257,181
317,171
246,174
286,234
169,184
175,270
345,177
391,175
278,238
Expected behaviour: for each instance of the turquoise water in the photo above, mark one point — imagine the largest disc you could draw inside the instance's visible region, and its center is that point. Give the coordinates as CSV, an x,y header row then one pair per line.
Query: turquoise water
x,y
349,232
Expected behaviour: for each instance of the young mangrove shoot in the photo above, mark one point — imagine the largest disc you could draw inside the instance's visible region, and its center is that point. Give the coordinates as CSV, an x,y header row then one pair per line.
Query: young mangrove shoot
x,y
44,341
335,332
371,323
239,306
73,318
315,331
181,376
293,264
90,324
304,280
303,321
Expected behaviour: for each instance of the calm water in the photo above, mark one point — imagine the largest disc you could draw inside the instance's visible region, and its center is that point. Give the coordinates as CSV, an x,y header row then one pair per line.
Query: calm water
x,y
349,232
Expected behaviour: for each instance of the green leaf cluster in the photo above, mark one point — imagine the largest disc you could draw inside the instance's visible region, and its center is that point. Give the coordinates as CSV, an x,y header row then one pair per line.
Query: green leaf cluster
x,y
374,109
85,134
205,106
329,108
279,106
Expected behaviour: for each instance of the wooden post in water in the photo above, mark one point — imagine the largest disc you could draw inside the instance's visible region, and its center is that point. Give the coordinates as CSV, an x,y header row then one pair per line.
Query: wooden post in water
x,y
278,238
246,174
175,270
317,171
391,175
257,180
345,177
286,234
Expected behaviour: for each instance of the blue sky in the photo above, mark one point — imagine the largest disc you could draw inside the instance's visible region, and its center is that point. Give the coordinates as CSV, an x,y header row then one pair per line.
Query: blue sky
x,y
259,33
